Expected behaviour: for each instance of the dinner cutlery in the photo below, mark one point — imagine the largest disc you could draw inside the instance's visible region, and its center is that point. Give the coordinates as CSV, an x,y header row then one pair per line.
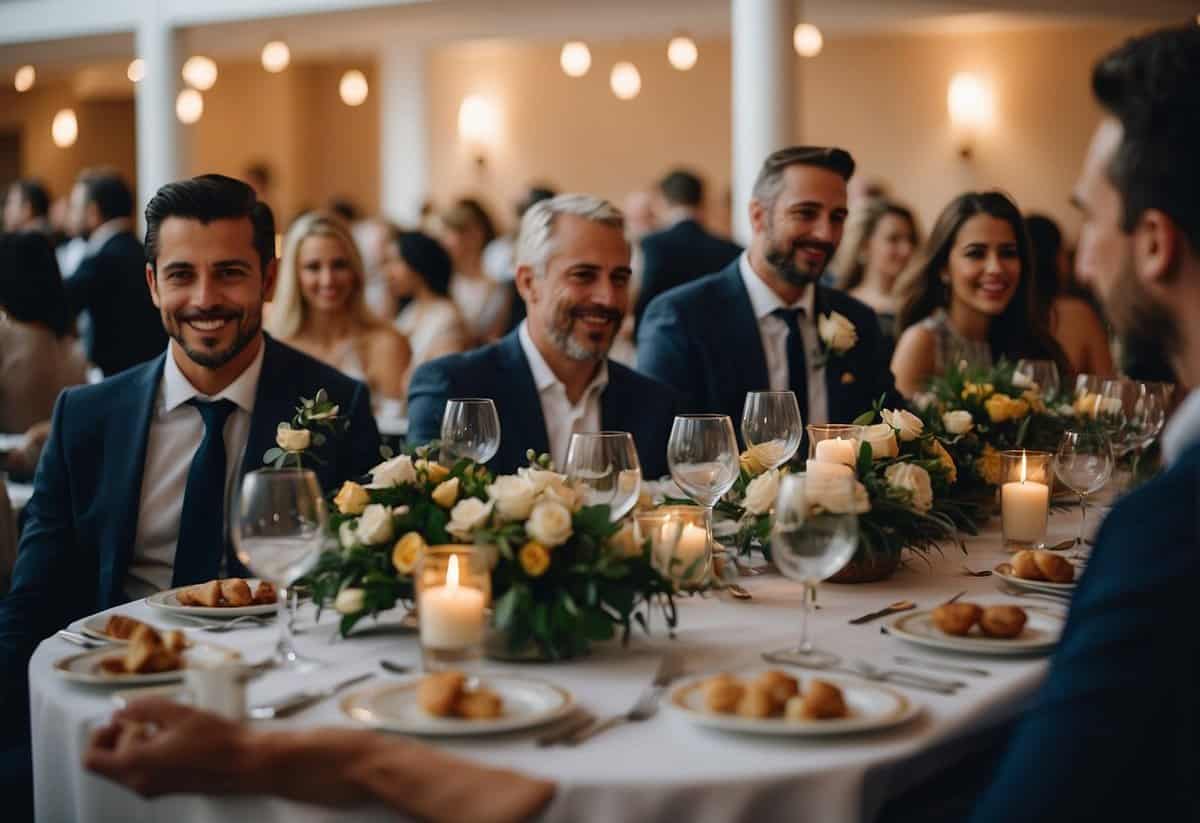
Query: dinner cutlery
x,y
972,573
898,606
1015,591
954,599
1058,547
571,724
901,677
669,668
301,700
738,592
79,639
394,667
867,673
221,626
944,667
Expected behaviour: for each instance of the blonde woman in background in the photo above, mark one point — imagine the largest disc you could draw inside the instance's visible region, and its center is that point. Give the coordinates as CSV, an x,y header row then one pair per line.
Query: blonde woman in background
x,y
465,230
320,308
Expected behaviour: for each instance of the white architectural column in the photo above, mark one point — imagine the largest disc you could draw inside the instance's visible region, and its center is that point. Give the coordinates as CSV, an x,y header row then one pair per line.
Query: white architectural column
x,y
403,143
763,93
159,153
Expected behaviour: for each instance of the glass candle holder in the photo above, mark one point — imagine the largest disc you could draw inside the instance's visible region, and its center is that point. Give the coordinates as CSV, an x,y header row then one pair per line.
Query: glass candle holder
x,y
453,587
834,442
681,545
1027,477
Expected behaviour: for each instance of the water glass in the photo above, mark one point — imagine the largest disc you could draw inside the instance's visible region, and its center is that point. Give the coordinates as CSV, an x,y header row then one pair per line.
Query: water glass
x,y
470,430
771,423
1043,374
1084,463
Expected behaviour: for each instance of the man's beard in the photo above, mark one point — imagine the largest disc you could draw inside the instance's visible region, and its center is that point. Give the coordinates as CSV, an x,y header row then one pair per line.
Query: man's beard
x,y
1136,314
562,326
783,260
248,327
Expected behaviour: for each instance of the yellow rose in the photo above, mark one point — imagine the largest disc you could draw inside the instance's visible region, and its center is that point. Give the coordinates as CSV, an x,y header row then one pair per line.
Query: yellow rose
x,y
999,407
990,466
1035,401
352,498
750,463
935,448
436,472
407,552
446,494
534,558
1017,408
1087,404
980,390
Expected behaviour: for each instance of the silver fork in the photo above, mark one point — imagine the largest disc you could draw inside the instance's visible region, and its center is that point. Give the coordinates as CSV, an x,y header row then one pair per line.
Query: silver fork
x,y
224,625
1009,589
669,668
868,672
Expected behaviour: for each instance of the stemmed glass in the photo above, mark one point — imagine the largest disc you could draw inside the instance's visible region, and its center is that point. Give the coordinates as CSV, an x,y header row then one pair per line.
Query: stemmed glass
x,y
1083,463
702,453
813,538
470,430
771,421
1044,373
277,525
605,467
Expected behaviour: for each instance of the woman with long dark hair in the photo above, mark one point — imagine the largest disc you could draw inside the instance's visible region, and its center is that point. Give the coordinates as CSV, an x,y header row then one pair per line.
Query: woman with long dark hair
x,y
970,295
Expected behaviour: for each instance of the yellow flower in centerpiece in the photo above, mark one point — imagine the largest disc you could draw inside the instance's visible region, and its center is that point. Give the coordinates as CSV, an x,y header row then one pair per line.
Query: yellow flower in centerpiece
x,y
1034,399
534,558
436,472
935,448
407,552
979,390
1001,407
446,493
352,498
990,466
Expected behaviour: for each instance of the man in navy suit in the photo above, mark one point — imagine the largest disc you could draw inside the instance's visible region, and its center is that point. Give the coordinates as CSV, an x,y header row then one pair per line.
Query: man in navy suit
x,y
683,251
552,376
765,322
129,494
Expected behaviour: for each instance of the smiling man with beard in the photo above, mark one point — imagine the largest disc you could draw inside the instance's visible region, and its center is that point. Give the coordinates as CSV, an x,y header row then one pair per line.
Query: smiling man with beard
x,y
754,326
552,377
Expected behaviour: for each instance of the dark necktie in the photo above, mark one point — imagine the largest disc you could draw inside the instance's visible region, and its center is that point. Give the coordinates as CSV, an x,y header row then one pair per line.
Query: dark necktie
x,y
201,542
797,363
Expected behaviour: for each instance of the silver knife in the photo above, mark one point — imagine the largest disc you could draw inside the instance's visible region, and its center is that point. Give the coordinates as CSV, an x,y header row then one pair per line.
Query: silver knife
x,y
298,701
79,639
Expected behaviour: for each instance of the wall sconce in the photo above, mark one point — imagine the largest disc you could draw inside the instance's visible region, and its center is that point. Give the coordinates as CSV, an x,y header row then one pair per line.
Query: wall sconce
x,y
65,128
972,109
478,126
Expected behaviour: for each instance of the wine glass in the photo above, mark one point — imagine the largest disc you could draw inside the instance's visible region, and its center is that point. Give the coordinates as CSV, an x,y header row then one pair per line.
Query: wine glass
x,y
1042,373
277,524
702,453
1083,463
1118,398
605,467
470,430
814,535
771,421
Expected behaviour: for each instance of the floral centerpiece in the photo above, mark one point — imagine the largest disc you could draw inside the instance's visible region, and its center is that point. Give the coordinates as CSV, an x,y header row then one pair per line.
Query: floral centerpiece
x,y
563,575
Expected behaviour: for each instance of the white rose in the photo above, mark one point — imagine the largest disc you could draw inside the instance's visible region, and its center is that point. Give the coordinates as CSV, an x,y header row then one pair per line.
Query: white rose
x,y
905,422
292,440
350,601
837,331
834,494
325,415
348,534
761,493
375,525
1064,410
542,478
882,439
770,453
1109,406
514,496
467,516
399,471
1021,380
912,478
923,400
958,422
549,524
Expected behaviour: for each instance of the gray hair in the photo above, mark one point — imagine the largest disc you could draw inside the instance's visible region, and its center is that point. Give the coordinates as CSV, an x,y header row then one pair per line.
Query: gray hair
x,y
535,244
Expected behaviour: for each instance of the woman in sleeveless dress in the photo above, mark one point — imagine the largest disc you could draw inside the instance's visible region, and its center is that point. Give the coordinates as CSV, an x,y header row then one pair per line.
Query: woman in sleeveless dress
x,y
969,295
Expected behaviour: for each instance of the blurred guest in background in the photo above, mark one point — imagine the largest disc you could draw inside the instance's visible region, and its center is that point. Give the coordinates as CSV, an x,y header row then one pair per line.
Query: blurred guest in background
x,y
970,296
640,216
1073,321
466,230
372,236
881,236
499,258
27,208
110,282
684,250
319,307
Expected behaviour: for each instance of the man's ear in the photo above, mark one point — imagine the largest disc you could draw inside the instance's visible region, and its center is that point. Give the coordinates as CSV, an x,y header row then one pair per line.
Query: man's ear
x,y
526,280
758,216
152,284
1157,247
270,279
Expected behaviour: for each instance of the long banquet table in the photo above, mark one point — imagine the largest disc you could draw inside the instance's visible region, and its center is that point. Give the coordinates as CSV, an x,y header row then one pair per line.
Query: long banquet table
x,y
662,769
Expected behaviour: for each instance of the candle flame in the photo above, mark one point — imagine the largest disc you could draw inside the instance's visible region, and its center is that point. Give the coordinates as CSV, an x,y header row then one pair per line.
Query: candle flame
x,y
452,573
1022,467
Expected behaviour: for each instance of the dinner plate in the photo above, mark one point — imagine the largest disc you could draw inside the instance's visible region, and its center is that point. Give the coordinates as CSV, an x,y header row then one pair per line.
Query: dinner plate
x,y
871,707
94,626
528,702
168,601
85,668
1041,633
1005,571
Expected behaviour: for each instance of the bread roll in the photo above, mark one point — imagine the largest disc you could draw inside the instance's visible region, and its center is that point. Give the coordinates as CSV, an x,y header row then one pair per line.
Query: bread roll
x,y
481,704
236,592
823,701
956,618
1054,568
1002,621
756,702
1025,565
722,694
438,694
780,686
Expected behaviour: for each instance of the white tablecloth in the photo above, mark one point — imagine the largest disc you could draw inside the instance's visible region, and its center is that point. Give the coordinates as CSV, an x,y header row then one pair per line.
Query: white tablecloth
x,y
664,769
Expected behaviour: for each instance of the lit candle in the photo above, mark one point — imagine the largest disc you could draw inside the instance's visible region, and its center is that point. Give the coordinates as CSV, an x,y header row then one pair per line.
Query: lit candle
x,y
451,616
693,542
1024,509
837,450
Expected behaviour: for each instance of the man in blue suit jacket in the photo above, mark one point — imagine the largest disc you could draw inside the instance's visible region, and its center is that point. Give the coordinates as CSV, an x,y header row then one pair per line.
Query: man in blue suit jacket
x,y
132,473
552,376
756,325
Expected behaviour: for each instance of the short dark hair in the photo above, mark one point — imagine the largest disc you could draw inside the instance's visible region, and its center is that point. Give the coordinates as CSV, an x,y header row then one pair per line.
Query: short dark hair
x,y
428,258
535,194
31,288
206,198
1150,85
682,188
770,176
35,194
345,209
1045,241
111,194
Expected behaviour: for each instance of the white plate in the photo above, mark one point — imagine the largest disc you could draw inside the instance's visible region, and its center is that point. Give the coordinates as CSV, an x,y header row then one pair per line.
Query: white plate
x,y
94,626
85,668
871,707
1005,572
528,702
1040,634
168,601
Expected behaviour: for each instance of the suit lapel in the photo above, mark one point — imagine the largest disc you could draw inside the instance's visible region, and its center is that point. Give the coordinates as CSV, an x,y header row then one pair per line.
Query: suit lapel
x,y
275,401
842,395
738,333
524,425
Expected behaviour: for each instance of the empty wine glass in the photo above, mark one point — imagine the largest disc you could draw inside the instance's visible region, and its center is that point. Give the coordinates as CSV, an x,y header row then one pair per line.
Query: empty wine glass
x,y
771,421
702,453
277,525
814,535
605,467
1118,398
1084,463
1043,373
470,430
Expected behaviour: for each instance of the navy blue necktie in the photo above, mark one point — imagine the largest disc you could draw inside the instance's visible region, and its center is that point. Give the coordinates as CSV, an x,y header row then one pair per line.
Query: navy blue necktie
x,y
796,360
201,542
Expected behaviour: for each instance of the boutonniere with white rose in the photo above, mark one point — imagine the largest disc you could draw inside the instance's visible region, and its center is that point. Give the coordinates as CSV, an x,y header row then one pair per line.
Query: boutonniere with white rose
x,y
315,421
838,335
